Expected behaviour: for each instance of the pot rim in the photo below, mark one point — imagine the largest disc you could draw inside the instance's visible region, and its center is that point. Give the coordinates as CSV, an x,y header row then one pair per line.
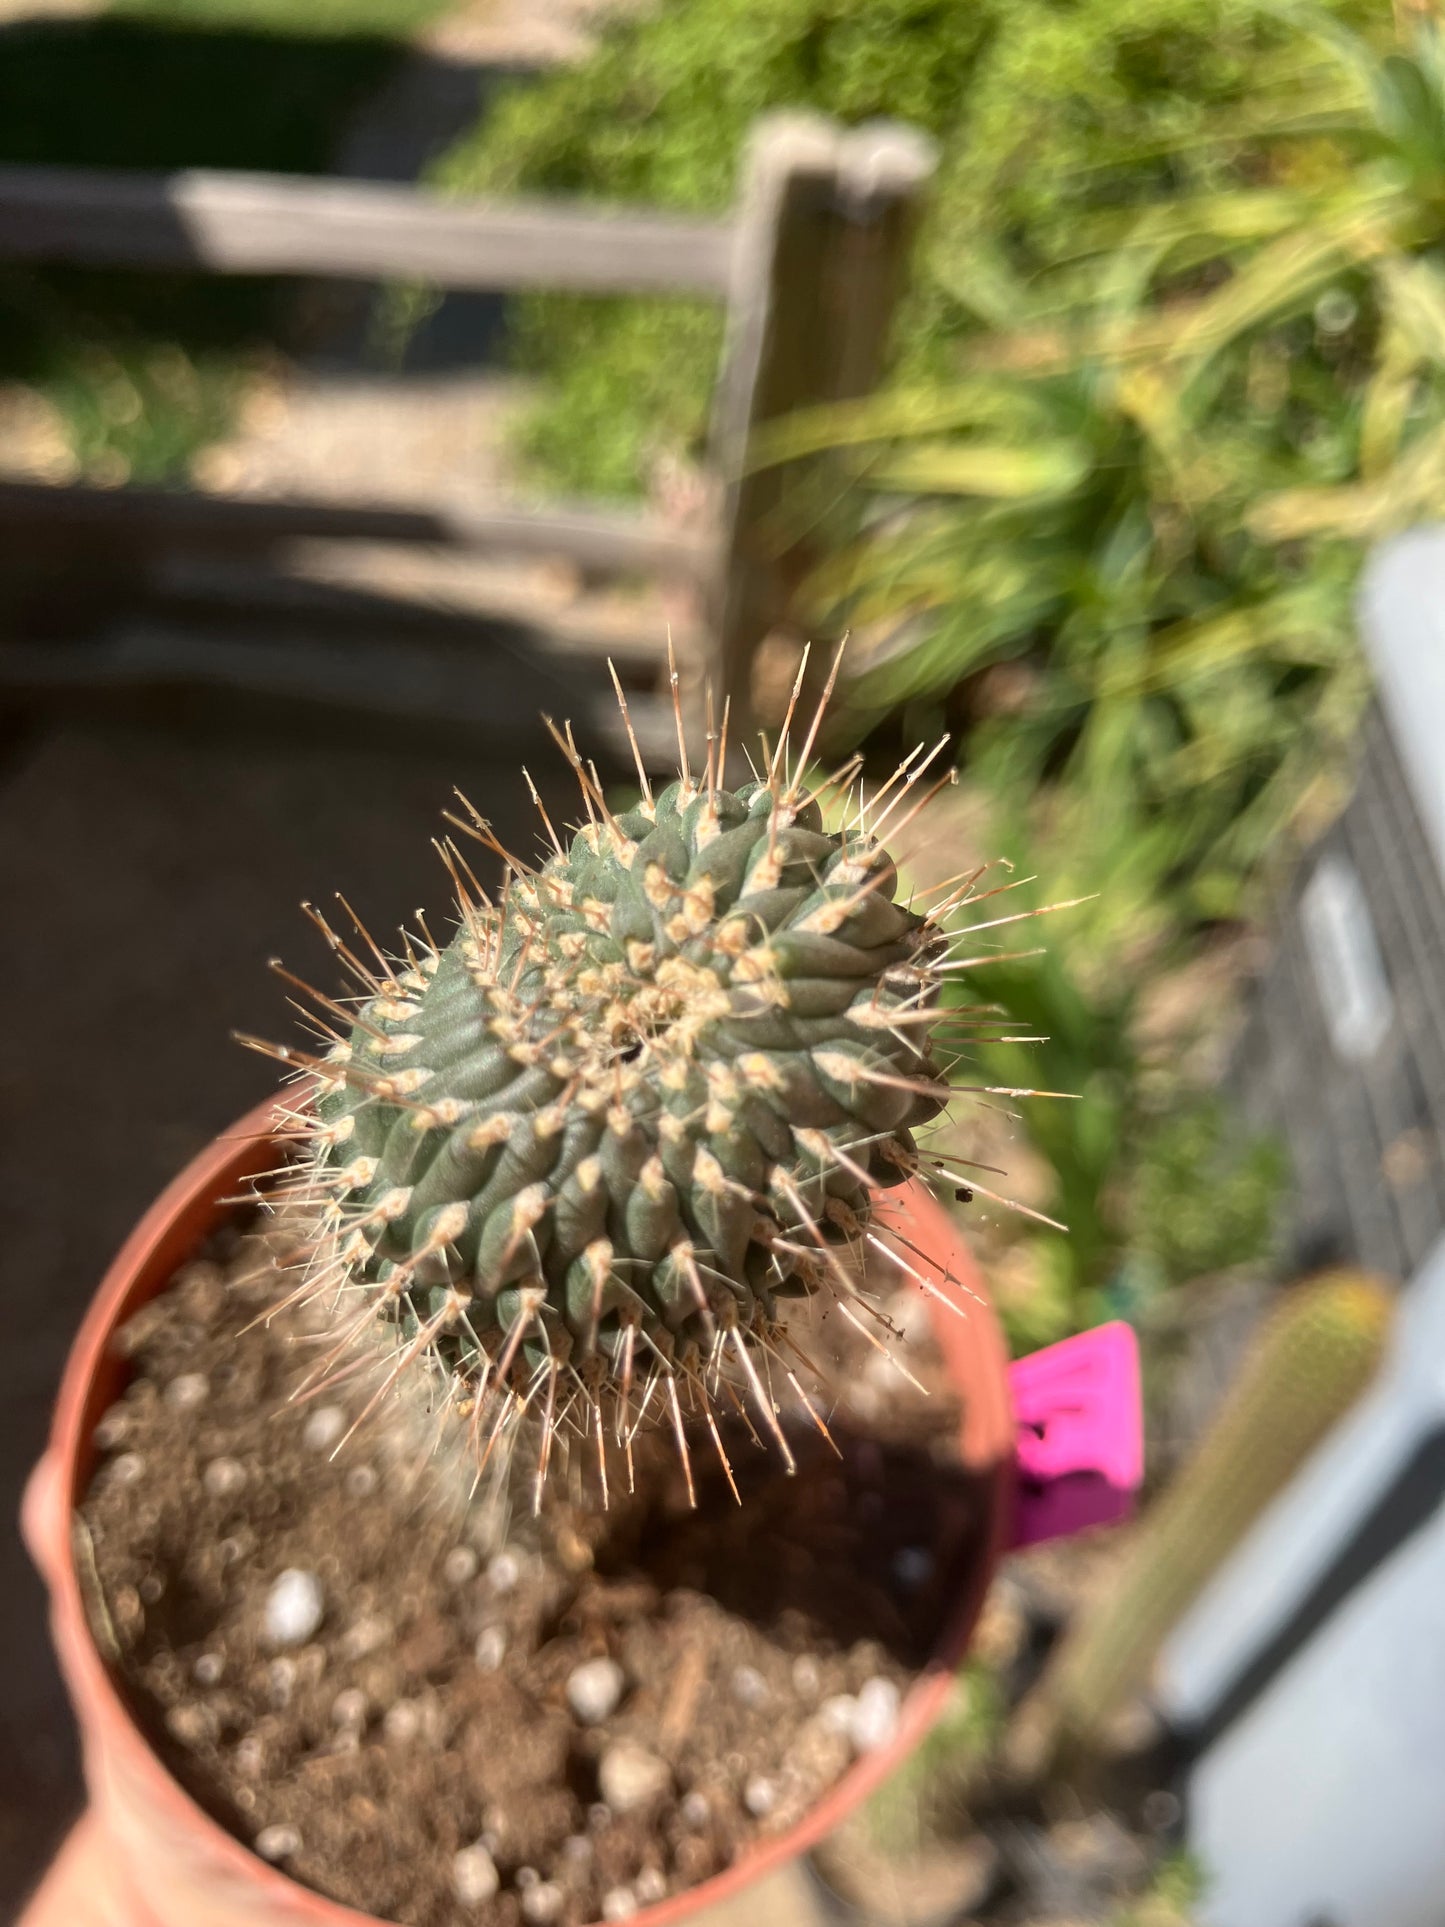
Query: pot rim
x,y
169,1232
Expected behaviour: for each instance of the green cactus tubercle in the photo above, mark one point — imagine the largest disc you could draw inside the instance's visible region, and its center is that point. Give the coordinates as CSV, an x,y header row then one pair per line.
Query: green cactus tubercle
x,y
632,1105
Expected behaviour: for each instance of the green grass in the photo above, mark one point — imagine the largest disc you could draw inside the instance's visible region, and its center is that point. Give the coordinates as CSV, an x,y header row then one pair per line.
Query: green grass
x,y
143,370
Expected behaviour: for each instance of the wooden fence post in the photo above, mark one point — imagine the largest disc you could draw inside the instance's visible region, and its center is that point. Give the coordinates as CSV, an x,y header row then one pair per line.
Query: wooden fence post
x,y
820,247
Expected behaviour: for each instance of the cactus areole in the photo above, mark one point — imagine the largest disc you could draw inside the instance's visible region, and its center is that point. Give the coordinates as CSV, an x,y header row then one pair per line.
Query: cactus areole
x,y
579,1158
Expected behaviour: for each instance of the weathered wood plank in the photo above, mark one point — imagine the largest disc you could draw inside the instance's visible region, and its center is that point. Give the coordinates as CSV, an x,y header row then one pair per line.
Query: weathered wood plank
x,y
234,223
600,541
824,227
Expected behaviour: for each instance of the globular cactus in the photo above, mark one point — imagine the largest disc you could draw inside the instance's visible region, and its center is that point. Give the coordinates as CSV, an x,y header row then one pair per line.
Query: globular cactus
x,y
1307,1365
577,1158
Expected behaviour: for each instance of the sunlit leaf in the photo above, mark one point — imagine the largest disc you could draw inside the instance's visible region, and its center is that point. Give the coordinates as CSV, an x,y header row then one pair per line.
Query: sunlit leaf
x,y
1285,628
1414,295
885,417
963,468
1385,407
1411,490
1288,274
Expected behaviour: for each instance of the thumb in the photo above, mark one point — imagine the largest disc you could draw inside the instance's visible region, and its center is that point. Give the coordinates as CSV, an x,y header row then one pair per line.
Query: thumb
x,y
42,1518
79,1890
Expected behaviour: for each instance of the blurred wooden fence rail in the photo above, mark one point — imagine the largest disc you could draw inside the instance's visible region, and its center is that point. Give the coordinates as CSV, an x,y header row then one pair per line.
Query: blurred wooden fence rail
x,y
808,265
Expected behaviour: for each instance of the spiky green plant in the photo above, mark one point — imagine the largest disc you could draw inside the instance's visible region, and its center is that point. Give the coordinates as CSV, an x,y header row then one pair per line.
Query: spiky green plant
x,y
577,1159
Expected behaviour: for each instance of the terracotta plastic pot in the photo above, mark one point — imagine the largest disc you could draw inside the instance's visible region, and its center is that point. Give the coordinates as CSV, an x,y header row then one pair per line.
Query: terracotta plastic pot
x,y
146,1855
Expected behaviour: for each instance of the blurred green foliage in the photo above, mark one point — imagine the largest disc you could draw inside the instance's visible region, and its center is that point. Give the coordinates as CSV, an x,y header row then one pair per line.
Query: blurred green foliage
x,y
1149,488
1204,1197
1148,1170
1178,1885
1118,550
1045,114
1153,1177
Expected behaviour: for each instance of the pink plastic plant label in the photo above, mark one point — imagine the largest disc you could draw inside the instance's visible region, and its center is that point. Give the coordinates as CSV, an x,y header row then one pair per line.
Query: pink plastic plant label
x,y
1080,1434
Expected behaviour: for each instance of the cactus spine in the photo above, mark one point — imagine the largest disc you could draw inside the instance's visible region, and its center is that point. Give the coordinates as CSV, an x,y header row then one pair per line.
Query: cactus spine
x,y
577,1159
1309,1362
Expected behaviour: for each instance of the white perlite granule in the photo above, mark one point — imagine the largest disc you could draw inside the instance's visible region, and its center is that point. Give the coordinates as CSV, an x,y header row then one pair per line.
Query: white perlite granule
x,y
595,1689
875,1715
323,1428
629,1777
295,1607
491,1648
475,1879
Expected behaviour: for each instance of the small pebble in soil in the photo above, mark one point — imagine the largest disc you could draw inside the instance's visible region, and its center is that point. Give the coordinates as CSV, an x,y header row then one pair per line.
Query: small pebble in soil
x,y
113,1430
348,1709
152,1589
526,1877
368,1635
543,1903
208,1669
128,1469
695,1810
278,1843
595,1689
749,1686
619,1903
402,1722
460,1565
577,1848
250,1757
295,1607
324,1427
503,1572
491,1648
223,1478
913,1567
807,1679
629,1777
875,1715
361,1481
599,1816
280,1679
573,1550
837,1712
188,1391
650,1885
191,1724
475,1879
760,1796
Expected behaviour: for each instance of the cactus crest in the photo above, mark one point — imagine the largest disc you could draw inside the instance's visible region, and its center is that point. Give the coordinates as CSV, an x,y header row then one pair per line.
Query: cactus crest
x,y
575,1161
